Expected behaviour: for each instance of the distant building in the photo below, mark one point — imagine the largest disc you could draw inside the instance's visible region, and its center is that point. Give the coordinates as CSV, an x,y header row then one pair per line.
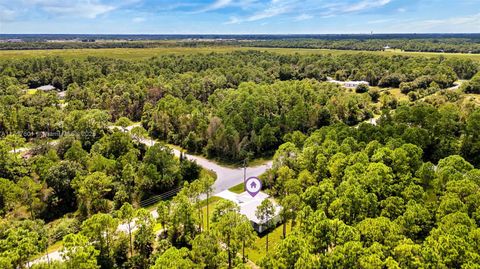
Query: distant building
x,y
248,207
354,84
62,94
46,88
387,47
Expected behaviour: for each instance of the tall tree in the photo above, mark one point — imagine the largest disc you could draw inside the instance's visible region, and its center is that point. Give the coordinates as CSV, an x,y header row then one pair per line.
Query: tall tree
x,y
126,214
79,252
163,211
225,227
30,194
207,189
206,250
175,258
264,213
101,229
15,141
91,190
246,234
290,205
144,236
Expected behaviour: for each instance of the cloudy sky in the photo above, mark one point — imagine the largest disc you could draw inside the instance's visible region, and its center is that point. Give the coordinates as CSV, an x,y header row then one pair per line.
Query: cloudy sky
x,y
239,16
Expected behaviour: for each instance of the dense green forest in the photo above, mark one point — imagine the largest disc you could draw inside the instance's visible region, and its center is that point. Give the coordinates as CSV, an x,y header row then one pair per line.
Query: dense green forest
x,y
461,44
403,192
232,105
368,203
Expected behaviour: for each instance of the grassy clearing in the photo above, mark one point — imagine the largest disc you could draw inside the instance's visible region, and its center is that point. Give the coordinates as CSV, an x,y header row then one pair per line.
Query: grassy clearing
x,y
145,53
238,188
398,94
274,237
239,164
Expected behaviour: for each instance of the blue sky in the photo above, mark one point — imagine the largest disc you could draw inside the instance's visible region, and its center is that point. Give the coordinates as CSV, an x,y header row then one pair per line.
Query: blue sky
x,y
239,16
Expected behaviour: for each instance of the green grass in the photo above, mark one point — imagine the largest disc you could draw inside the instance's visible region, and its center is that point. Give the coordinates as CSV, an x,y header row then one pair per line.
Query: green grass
x,y
52,248
211,205
157,227
238,188
238,164
32,91
145,53
398,94
274,237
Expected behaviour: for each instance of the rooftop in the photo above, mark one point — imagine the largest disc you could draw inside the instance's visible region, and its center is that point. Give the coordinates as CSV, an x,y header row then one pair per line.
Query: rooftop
x,y
248,204
46,88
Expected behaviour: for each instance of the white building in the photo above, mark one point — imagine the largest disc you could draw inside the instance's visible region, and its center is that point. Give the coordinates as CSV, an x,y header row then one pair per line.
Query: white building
x,y
46,88
248,206
354,84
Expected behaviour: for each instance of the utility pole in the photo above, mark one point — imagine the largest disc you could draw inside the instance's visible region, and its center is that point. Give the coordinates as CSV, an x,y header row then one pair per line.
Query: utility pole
x,y
244,171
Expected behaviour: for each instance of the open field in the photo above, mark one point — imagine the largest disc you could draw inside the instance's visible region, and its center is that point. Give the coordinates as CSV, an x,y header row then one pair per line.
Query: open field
x,y
145,53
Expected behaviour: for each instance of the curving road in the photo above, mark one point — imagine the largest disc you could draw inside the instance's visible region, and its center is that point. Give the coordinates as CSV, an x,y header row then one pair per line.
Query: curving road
x,y
226,178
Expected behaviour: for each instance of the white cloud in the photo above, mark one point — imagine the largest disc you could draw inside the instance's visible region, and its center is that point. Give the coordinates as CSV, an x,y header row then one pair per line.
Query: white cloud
x,y
268,13
467,24
381,21
342,7
300,10
218,4
303,17
72,8
472,21
6,14
85,9
365,4
138,19
272,9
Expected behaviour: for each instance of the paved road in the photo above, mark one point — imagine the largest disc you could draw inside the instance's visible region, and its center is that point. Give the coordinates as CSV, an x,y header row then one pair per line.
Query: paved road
x,y
456,85
226,178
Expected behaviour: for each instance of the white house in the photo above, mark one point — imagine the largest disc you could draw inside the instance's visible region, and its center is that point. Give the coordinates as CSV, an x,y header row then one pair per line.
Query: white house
x,y
354,84
46,88
248,206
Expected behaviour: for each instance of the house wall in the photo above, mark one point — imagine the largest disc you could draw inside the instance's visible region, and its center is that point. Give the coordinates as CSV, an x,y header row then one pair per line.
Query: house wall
x,y
260,228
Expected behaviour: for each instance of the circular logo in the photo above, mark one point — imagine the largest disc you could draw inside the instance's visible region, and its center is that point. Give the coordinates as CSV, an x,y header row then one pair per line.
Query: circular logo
x,y
253,185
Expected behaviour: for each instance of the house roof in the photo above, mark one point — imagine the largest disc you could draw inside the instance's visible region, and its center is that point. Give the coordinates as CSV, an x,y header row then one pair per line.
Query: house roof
x,y
357,82
46,88
248,204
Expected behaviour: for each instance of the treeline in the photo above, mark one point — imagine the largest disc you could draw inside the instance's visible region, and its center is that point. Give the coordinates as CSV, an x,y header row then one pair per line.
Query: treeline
x,y
447,45
369,197
41,45
434,44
